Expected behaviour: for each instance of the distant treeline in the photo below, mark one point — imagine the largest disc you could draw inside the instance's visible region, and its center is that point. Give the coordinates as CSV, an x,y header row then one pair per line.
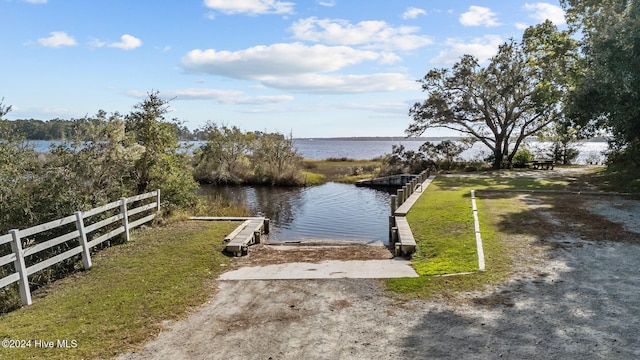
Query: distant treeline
x,y
82,129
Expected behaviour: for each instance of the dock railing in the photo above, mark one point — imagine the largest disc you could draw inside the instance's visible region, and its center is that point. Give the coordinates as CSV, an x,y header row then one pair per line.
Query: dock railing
x,y
81,228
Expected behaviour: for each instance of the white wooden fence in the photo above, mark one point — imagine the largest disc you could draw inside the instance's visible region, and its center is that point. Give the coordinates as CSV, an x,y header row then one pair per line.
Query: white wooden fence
x,y
82,233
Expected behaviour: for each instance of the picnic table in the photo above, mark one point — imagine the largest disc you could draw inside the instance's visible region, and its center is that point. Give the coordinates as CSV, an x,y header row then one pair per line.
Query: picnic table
x,y
541,164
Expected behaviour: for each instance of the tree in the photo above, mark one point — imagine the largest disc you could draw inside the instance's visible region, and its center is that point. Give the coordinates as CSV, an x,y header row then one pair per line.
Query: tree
x,y
444,153
4,109
224,158
232,156
607,95
402,161
275,160
19,170
161,164
515,96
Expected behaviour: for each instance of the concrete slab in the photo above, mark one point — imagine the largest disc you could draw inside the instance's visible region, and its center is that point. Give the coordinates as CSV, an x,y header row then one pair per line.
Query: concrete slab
x,y
331,269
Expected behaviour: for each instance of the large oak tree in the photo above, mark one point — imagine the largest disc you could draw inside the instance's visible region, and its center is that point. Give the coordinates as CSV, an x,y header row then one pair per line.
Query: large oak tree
x,y
608,95
517,95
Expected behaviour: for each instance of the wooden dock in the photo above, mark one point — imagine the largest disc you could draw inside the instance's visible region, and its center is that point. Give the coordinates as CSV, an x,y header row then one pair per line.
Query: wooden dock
x,y
401,236
387,181
247,233
406,243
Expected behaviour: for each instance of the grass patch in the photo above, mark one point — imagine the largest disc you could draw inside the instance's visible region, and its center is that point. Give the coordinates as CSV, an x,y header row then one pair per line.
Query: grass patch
x,y
311,178
618,179
442,224
347,170
121,301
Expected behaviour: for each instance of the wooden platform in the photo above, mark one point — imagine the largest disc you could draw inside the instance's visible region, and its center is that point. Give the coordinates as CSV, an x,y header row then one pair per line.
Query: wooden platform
x,y
246,234
406,244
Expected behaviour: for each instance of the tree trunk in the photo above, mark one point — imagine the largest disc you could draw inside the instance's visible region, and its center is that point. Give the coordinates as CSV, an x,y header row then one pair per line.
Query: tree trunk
x,y
498,157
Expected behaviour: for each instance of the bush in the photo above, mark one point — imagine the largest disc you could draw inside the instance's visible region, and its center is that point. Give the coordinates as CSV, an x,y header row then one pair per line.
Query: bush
x,y
232,156
521,158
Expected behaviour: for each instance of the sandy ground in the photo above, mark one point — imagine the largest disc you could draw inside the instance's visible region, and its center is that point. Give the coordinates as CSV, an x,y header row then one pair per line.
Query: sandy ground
x,y
575,295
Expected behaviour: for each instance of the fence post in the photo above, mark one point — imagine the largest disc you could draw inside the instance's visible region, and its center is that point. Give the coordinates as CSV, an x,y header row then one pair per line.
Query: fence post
x,y
86,257
21,268
158,199
125,218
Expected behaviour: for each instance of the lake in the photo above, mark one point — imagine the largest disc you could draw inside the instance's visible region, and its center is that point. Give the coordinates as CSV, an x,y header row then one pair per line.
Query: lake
x,y
320,149
330,211
339,211
591,152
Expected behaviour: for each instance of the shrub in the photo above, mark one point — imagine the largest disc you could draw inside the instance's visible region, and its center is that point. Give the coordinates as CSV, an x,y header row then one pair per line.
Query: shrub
x,y
521,158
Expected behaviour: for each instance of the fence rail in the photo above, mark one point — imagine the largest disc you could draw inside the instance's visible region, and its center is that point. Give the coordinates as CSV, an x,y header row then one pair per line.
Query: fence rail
x,y
82,233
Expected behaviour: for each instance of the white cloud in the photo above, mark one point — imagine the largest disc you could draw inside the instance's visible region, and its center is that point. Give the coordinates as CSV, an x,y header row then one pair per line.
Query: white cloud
x,y
127,42
482,48
281,59
327,3
521,26
57,39
413,13
543,11
342,84
250,7
96,43
370,34
216,95
479,16
35,1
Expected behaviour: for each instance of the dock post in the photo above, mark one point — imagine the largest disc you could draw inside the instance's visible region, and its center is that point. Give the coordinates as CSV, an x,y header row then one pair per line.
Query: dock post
x,y
394,238
400,196
266,226
394,204
392,224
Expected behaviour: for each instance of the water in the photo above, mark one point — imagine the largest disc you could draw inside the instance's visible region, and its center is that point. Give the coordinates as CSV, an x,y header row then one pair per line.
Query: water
x,y
339,211
320,149
330,211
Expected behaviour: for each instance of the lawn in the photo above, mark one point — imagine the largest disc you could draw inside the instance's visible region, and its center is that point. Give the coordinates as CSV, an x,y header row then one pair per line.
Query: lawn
x,y
121,301
442,224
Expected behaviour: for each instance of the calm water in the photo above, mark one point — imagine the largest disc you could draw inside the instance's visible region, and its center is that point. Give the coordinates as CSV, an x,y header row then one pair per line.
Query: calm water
x,y
320,149
339,211
327,212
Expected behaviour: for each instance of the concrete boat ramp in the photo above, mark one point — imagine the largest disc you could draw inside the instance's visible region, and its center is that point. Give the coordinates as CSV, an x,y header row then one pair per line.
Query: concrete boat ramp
x,y
251,229
331,269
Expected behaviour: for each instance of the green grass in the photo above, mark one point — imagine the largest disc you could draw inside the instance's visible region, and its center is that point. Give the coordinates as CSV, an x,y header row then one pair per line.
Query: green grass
x,y
121,301
339,170
442,224
311,178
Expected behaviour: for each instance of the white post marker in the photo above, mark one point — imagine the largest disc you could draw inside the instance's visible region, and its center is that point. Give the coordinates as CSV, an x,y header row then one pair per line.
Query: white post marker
x,y
476,224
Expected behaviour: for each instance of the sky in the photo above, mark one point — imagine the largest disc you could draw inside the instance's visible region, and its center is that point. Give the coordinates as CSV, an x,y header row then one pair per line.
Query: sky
x,y
310,68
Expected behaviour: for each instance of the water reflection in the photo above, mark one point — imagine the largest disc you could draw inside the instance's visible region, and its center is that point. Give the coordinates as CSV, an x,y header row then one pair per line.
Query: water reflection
x,y
327,212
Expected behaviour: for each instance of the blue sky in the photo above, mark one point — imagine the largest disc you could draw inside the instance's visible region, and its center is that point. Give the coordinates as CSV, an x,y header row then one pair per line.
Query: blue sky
x,y
315,68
